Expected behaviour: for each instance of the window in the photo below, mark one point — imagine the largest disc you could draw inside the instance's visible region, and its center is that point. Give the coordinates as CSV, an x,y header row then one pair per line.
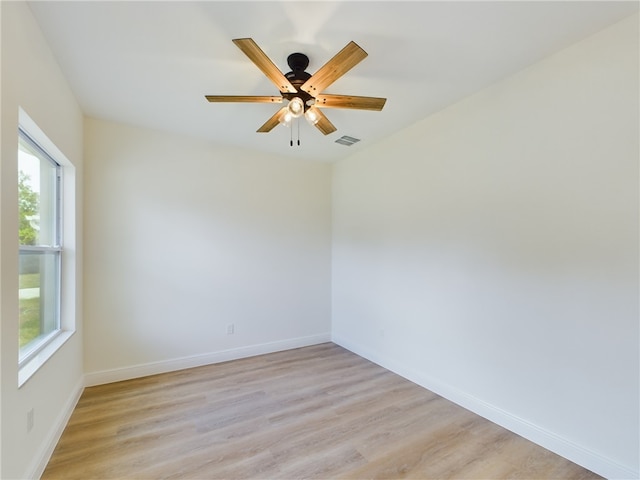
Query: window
x,y
40,232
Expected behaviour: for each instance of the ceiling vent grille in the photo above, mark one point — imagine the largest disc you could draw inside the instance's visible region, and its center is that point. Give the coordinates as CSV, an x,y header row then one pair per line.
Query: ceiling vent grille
x,y
346,140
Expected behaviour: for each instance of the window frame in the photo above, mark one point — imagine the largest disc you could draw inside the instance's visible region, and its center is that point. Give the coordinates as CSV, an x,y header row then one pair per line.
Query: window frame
x,y
35,347
70,286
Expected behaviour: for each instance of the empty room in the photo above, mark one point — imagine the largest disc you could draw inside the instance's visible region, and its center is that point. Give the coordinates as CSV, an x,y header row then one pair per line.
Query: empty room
x,y
300,239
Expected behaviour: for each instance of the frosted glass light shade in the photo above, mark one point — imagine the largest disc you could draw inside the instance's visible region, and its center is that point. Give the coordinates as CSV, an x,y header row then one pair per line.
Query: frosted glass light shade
x,y
312,116
296,107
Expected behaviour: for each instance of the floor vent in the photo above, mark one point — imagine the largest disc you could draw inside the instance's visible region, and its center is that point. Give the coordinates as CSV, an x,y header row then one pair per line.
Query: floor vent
x,y
346,140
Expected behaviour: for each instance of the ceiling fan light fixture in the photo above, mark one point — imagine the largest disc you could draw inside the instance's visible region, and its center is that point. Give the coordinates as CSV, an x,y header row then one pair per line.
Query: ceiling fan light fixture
x,y
296,107
285,118
312,116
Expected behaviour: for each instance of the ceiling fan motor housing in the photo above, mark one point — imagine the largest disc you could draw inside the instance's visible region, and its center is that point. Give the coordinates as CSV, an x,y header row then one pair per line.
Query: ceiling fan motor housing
x,y
298,62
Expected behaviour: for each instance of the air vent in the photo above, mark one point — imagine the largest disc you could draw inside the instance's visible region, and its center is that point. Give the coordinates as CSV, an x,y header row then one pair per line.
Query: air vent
x,y
346,140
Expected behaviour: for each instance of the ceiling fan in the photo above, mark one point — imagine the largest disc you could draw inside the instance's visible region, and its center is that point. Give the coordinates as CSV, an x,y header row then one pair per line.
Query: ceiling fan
x,y
303,90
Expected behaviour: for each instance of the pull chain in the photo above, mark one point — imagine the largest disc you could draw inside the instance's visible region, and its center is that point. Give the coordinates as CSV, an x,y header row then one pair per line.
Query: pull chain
x,y
291,133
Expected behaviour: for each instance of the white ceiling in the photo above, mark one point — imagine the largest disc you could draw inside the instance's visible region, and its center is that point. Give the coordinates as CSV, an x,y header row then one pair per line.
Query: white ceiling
x,y
150,64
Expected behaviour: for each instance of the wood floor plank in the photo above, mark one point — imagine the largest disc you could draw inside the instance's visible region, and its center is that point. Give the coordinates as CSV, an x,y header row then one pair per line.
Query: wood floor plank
x,y
314,412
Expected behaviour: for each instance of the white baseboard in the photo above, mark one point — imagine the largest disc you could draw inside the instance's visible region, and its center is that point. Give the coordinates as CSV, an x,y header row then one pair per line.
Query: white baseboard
x,y
545,438
36,469
153,368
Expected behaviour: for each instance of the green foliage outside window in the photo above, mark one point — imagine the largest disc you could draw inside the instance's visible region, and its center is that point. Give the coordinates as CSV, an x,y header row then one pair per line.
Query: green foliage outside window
x,y
28,204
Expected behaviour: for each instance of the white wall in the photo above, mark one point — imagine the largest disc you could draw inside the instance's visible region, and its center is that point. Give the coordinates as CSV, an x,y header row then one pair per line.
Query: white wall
x,y
490,252
184,238
32,80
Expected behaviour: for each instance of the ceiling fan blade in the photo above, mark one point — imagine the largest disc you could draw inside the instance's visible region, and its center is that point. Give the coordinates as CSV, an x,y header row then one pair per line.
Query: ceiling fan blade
x,y
243,98
323,124
273,122
350,101
341,63
264,63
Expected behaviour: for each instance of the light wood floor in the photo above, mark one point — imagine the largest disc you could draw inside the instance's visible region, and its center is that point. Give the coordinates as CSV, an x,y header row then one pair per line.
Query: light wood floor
x,y
315,412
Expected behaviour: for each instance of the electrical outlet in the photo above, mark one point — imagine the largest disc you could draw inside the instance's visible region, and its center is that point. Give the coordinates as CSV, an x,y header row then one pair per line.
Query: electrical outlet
x,y
30,420
230,329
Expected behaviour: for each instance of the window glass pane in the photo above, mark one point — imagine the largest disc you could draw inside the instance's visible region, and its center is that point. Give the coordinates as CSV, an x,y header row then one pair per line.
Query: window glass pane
x,y
38,196
39,227
39,306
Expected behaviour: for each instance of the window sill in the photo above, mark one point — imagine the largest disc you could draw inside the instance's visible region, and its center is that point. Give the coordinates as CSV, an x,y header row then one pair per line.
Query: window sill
x,y
27,370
